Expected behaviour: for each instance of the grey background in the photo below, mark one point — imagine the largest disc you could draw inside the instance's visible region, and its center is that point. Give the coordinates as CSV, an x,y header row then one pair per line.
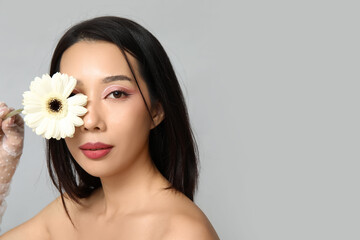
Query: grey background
x,y
273,94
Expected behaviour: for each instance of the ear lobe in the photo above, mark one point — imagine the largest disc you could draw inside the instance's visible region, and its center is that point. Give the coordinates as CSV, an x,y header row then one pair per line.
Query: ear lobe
x,y
158,115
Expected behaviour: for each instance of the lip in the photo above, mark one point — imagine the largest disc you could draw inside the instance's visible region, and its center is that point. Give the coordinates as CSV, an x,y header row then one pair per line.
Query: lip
x,y
95,150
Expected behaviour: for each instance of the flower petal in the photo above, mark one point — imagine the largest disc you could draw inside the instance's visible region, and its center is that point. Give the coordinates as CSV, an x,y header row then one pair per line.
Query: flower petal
x,y
40,130
32,108
56,135
33,120
77,110
57,85
77,121
78,99
51,129
31,98
41,86
67,127
69,87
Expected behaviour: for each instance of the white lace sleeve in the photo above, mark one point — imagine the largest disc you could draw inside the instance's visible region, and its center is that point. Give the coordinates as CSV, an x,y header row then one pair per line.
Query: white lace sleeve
x,y
11,146
4,191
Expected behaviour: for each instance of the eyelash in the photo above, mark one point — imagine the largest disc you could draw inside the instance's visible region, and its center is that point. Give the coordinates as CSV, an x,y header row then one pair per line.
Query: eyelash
x,y
122,93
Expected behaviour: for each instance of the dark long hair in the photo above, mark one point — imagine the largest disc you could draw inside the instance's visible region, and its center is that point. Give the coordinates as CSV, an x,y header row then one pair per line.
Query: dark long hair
x,y
171,144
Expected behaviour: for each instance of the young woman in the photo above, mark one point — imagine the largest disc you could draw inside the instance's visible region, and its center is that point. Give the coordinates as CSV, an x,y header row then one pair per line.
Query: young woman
x,y
130,171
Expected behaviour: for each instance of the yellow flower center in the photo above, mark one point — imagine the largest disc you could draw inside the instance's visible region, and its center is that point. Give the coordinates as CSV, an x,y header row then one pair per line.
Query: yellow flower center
x,y
56,107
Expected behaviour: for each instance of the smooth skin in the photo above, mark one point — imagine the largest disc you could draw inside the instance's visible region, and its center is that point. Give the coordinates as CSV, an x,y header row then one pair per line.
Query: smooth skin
x,y
133,202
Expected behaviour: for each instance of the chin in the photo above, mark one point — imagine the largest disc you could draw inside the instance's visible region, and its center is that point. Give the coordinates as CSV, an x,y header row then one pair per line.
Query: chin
x,y
101,169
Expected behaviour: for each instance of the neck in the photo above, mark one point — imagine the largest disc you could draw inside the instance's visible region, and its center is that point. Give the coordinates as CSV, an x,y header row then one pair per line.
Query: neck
x,y
132,189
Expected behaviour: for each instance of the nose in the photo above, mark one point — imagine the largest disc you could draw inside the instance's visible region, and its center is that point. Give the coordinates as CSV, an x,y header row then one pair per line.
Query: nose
x,y
93,119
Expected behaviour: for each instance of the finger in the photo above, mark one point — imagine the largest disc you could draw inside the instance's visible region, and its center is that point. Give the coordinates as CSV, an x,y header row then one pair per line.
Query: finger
x,y
12,122
2,104
19,120
4,110
8,121
13,126
10,126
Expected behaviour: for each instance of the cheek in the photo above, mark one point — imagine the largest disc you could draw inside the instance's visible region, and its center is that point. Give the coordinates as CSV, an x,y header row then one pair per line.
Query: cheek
x,y
73,145
129,122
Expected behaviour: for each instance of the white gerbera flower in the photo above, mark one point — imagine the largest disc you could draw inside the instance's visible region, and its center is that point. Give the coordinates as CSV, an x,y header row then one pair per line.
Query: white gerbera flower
x,y
49,110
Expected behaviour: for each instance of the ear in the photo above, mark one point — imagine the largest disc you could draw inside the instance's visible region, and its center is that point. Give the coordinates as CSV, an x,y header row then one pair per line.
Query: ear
x,y
158,115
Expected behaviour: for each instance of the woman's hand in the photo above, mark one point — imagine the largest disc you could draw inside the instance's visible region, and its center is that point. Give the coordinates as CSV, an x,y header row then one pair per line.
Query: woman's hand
x,y
11,143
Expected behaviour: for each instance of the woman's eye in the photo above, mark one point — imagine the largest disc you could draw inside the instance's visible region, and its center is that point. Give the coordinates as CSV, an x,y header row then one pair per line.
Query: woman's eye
x,y
118,94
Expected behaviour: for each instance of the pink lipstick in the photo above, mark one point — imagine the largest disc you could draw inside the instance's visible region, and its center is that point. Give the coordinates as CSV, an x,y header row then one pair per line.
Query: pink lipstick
x,y
95,150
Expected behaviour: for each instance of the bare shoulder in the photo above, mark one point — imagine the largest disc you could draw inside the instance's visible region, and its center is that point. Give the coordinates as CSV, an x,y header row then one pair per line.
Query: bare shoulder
x,y
35,228
187,220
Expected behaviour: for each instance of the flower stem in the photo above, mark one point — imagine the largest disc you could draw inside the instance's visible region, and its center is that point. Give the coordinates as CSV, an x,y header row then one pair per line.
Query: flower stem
x,y
13,113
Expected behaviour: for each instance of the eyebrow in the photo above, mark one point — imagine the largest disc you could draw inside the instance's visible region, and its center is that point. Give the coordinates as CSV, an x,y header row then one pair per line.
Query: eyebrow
x,y
111,79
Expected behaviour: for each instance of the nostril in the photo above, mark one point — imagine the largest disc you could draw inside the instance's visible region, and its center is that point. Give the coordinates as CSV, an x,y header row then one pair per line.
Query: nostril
x,y
87,128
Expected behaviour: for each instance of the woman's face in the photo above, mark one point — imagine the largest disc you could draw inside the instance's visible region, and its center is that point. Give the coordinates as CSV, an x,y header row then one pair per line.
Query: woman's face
x,y
117,115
